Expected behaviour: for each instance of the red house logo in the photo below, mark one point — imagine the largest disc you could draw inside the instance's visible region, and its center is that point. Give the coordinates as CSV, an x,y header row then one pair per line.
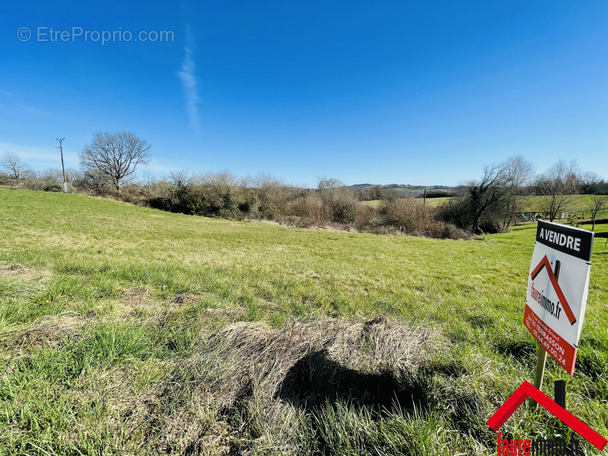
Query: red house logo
x,y
526,390
544,264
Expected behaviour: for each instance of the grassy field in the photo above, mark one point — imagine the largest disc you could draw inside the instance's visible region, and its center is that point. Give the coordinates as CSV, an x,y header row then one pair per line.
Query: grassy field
x,y
434,202
126,330
575,203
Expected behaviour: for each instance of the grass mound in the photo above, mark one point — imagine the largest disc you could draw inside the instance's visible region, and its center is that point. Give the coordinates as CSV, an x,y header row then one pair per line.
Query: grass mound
x,y
275,385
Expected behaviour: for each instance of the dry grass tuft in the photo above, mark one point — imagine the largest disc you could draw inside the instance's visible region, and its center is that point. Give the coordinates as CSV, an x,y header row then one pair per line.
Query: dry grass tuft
x,y
265,383
47,331
254,354
231,314
186,298
135,300
24,273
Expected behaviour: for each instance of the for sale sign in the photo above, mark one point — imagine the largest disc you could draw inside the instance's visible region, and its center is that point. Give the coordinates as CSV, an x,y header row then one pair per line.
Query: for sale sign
x,y
557,289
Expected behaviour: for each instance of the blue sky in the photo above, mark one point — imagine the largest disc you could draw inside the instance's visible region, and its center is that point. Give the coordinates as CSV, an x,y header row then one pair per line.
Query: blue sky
x,y
362,91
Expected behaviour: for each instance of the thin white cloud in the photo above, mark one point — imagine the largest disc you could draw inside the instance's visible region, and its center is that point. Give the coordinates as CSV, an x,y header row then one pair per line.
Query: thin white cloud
x,y
190,83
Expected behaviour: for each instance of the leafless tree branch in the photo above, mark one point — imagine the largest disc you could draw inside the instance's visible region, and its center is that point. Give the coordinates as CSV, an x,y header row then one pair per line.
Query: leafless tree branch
x,y
115,156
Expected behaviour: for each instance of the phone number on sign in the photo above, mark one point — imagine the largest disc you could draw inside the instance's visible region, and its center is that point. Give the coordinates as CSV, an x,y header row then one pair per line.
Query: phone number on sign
x,y
550,345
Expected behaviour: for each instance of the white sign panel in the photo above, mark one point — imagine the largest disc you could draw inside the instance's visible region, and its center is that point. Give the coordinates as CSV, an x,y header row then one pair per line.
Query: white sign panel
x,y
557,289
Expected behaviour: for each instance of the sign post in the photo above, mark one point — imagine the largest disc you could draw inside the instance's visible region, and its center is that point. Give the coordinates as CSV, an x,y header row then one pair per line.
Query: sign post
x,y
555,308
539,371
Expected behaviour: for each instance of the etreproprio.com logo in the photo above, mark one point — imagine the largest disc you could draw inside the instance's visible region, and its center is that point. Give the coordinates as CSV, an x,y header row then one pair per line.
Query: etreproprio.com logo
x,y
76,34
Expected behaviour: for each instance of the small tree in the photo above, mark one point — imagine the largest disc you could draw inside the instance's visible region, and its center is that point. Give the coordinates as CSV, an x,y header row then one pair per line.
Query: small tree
x,y
596,204
339,203
557,186
492,202
13,166
497,193
328,185
516,175
115,156
272,195
589,183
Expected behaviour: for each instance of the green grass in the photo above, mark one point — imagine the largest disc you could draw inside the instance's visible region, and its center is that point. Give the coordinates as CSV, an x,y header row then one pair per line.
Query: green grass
x,y
104,305
434,202
576,203
372,203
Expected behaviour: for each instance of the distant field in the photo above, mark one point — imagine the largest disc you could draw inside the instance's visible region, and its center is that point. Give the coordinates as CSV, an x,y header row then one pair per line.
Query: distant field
x,y
435,202
576,203
126,330
372,203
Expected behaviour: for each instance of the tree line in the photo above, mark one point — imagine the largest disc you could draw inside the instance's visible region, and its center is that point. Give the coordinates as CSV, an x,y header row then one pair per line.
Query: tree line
x,y
495,201
491,203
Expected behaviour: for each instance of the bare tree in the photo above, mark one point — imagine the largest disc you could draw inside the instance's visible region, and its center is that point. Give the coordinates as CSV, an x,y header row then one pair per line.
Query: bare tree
x,y
590,183
115,156
180,177
557,186
13,166
596,204
483,194
497,193
517,173
329,184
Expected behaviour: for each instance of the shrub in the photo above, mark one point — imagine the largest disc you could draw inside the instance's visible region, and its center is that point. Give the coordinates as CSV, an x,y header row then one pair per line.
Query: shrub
x,y
456,212
441,230
440,193
95,183
309,206
366,217
178,198
134,194
271,196
341,207
408,214
50,180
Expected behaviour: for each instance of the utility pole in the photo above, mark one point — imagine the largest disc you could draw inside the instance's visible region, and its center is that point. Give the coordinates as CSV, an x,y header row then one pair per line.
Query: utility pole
x,y
60,147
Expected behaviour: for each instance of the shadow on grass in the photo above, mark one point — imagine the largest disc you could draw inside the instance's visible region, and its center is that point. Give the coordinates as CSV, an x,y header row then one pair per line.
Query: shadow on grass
x,y
521,350
316,380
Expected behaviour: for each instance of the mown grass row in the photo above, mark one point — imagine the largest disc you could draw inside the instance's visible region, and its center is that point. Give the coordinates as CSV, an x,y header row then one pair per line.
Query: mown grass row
x,y
108,311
